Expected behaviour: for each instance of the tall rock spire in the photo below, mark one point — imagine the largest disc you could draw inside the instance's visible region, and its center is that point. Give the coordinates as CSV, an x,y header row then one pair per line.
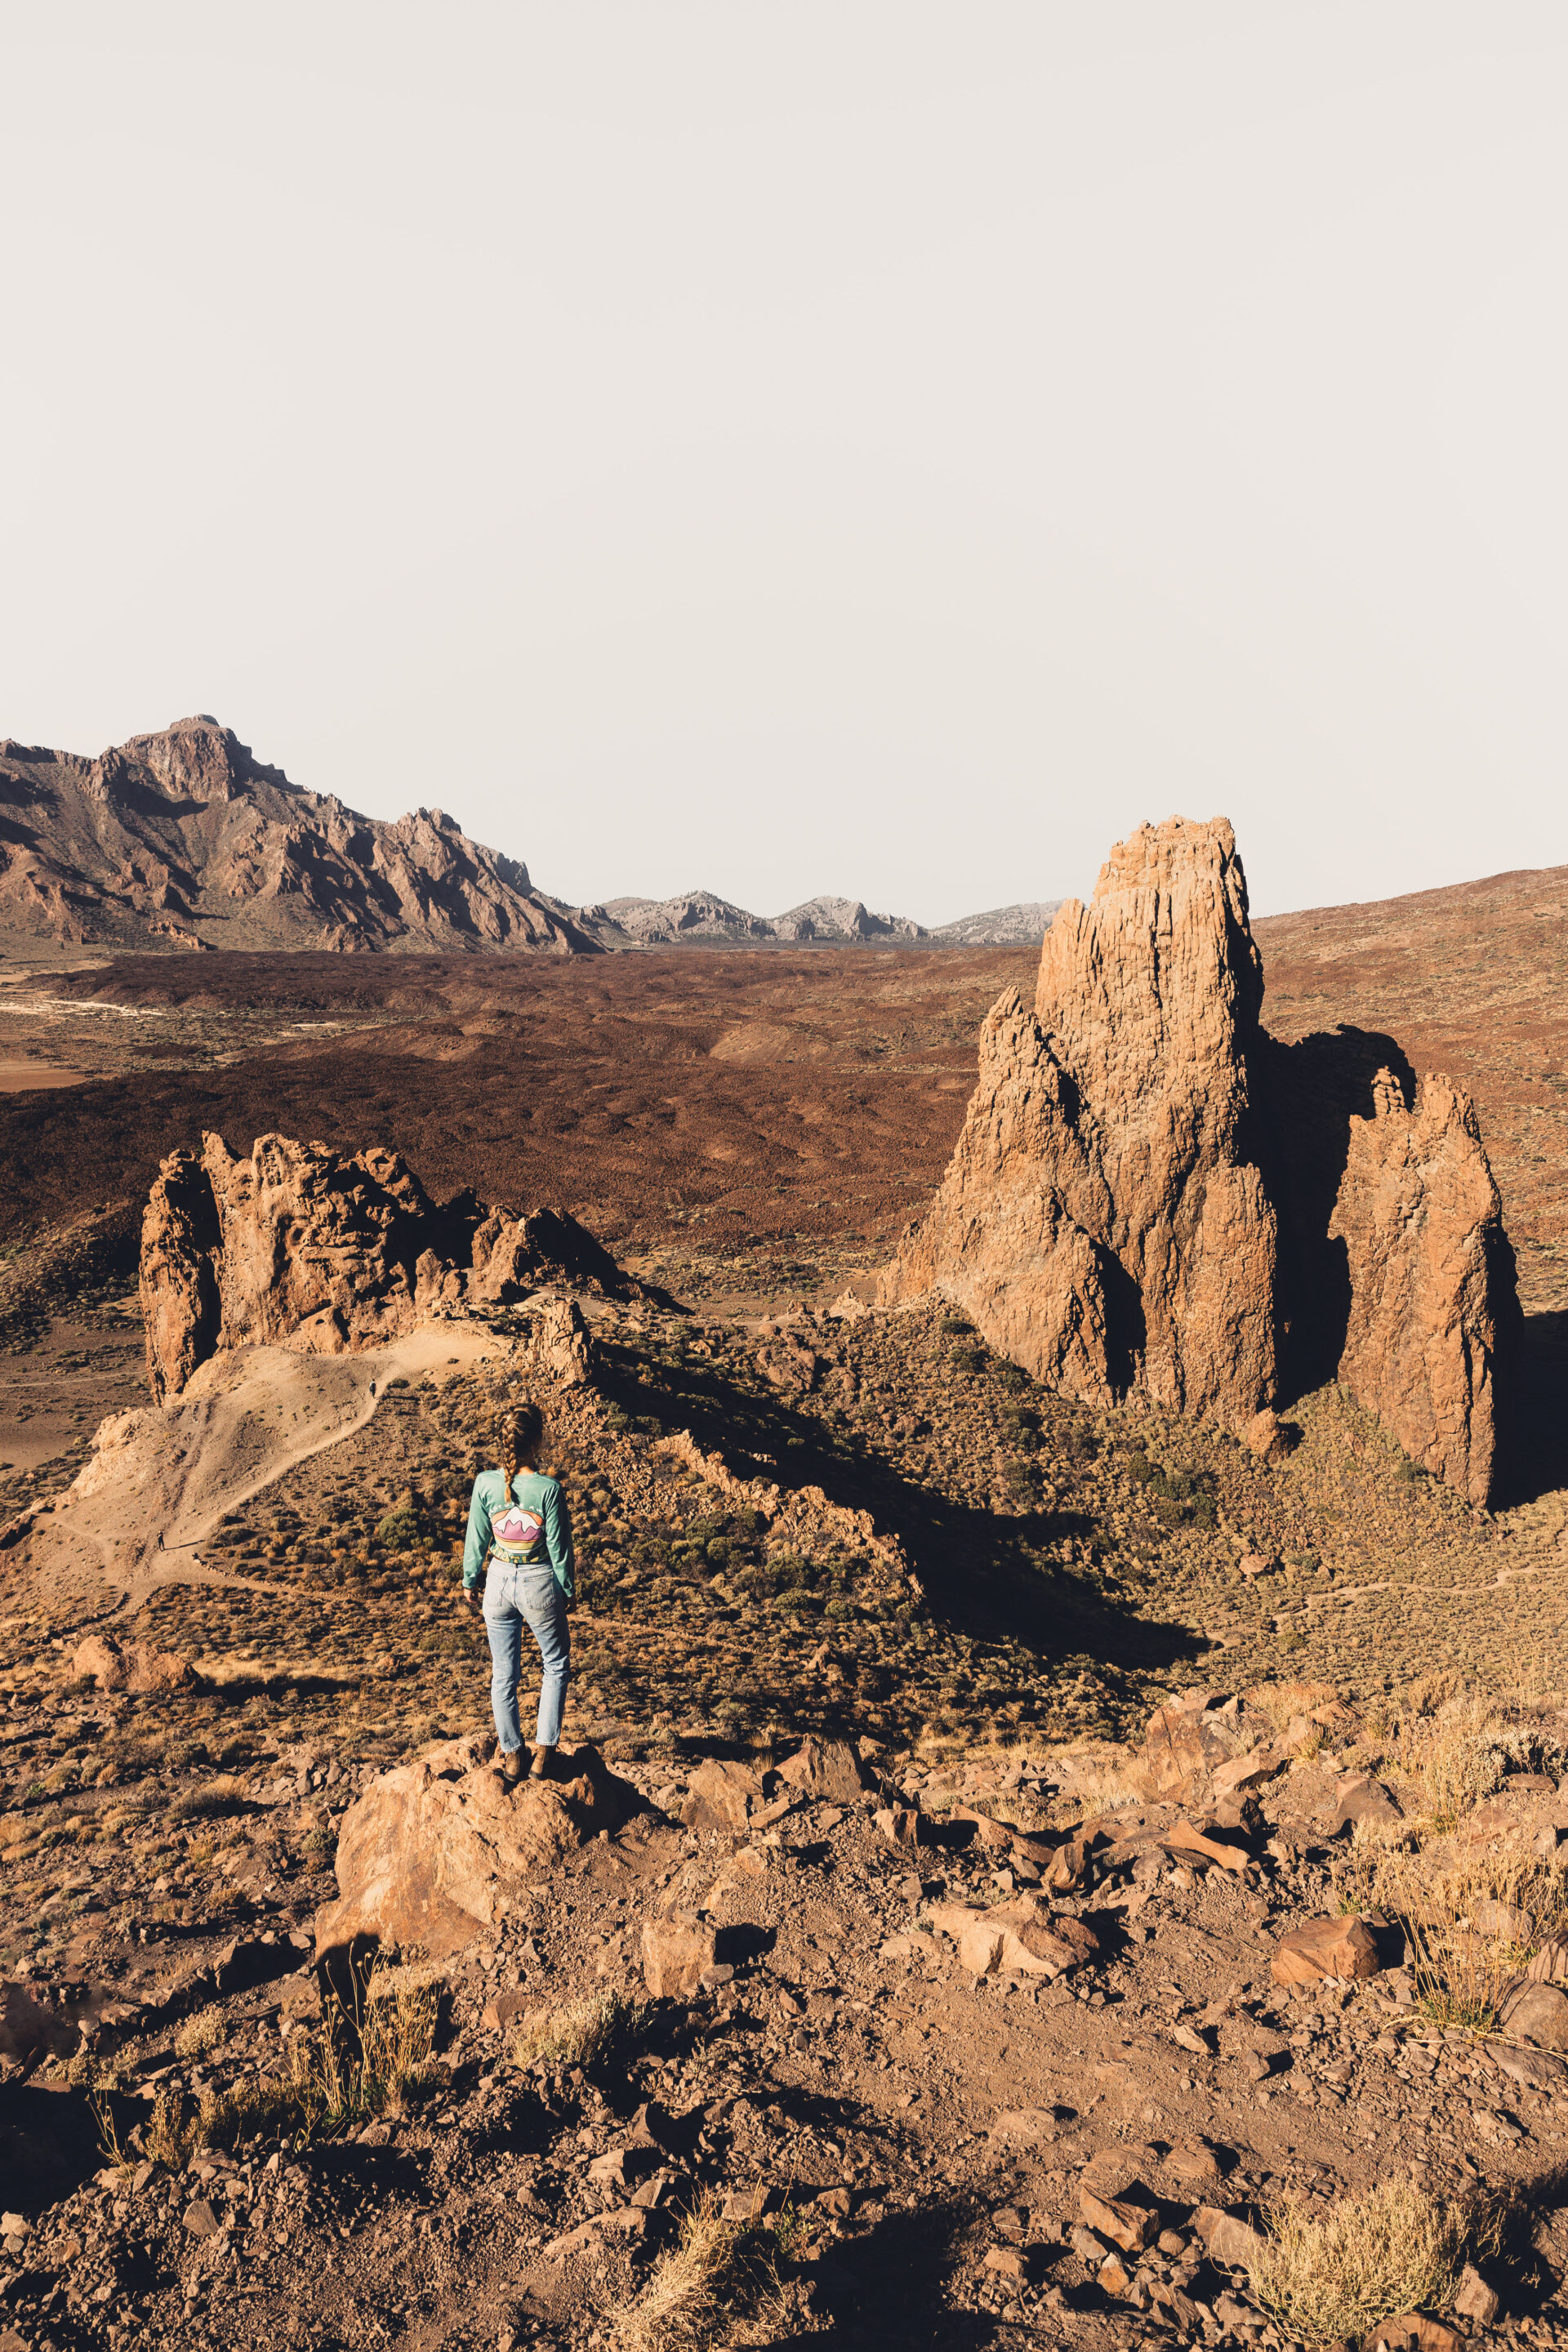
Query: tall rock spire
x,y
1102,1219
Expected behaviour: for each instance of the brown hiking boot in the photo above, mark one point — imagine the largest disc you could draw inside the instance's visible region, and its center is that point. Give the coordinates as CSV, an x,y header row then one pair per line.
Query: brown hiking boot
x,y
512,1767
543,1759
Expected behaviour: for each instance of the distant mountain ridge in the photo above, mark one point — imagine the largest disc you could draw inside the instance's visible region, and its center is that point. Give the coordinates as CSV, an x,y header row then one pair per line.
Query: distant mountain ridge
x,y
183,839
1024,924
702,918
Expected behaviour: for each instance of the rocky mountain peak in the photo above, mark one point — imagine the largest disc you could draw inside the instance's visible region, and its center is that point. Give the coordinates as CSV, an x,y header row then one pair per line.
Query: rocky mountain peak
x,y
183,838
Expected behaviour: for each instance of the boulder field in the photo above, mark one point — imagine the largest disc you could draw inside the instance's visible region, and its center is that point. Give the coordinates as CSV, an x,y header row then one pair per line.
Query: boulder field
x,y
1134,1203
1027,2065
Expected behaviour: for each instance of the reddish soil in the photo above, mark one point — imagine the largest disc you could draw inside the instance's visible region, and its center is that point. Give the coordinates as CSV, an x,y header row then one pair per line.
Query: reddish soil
x,y
772,1094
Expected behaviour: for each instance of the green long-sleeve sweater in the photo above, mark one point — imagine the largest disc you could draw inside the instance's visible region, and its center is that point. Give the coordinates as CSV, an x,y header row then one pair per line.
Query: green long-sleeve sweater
x,y
533,1493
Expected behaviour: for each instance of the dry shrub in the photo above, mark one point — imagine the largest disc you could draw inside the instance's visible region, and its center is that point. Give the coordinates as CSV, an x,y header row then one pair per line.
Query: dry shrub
x,y
1282,1702
718,2269
397,2031
1458,1751
1470,1925
200,2034
1453,1756
1396,2249
577,2033
1099,1777
169,2139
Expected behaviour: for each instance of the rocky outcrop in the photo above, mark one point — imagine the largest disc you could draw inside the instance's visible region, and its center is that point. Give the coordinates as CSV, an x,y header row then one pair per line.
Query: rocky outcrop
x,y
438,1851
512,1256
1433,1305
137,1666
558,1351
1101,1219
1150,1193
293,1245
320,1251
1024,1936
183,839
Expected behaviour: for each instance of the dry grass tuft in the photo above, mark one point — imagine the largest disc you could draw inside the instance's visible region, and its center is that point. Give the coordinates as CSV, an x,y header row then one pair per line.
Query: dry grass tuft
x,y
1094,1775
1470,1924
1455,1754
354,2066
683,2308
719,2270
577,2033
219,1796
1394,2250
1452,1759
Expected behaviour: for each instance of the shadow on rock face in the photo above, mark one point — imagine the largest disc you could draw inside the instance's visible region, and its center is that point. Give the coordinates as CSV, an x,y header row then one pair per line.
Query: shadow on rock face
x,y
1536,1462
1304,1099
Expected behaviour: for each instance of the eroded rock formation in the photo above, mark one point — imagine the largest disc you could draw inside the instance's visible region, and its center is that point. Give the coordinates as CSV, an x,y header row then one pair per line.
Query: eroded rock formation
x,y
1132,1202
317,1251
1432,1279
1102,1219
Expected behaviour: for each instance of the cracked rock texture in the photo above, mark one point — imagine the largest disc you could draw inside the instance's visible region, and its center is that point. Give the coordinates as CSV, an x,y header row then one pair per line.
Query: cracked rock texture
x,y
1432,1307
437,1850
1101,1219
298,1247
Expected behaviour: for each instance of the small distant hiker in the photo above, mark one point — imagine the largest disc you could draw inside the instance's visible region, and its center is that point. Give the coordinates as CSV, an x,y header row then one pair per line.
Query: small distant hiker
x,y
518,1524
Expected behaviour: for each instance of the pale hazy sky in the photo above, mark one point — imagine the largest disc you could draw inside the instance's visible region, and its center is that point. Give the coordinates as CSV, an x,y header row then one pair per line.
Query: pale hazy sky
x,y
829,444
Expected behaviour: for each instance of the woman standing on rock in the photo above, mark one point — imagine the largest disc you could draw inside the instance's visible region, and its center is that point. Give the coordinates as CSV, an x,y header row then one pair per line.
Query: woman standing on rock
x,y
518,1522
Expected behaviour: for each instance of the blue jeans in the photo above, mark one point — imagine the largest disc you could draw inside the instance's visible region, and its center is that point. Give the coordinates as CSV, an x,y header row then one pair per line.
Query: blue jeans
x,y
515,1597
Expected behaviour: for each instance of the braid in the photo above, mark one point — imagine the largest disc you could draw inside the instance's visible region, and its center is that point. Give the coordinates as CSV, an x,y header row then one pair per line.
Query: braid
x,y
519,1430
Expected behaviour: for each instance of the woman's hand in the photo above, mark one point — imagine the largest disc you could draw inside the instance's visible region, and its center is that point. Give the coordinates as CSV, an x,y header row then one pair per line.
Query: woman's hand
x,y
472,1601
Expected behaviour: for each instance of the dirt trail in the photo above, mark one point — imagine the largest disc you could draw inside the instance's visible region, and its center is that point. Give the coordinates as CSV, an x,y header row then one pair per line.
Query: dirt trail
x,y
158,1480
